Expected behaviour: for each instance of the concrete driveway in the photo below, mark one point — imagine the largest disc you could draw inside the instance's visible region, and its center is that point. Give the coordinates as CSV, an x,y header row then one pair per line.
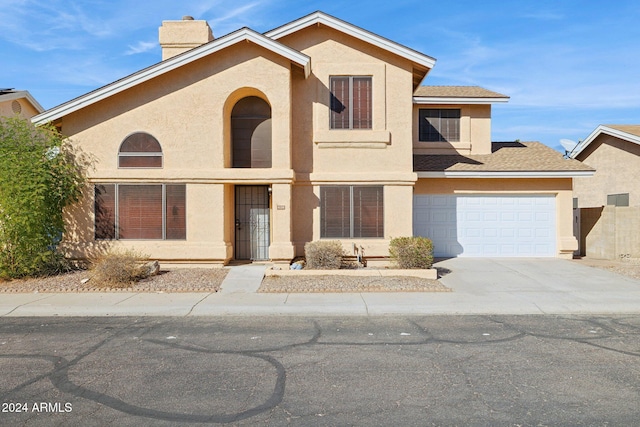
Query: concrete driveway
x,y
550,285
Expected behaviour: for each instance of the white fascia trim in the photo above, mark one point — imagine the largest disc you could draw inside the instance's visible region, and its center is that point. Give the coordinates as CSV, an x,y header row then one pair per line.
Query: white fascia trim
x,y
35,103
606,130
244,34
359,33
452,101
506,174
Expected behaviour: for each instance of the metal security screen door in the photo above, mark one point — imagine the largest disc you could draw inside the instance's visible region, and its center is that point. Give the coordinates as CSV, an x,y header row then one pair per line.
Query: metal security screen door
x,y
252,222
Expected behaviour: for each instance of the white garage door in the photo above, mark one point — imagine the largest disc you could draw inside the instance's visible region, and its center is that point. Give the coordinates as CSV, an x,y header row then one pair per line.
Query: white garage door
x,y
487,225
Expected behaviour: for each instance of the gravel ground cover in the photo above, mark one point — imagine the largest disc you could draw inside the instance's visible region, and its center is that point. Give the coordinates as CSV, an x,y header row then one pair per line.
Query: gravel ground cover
x,y
178,280
210,279
310,284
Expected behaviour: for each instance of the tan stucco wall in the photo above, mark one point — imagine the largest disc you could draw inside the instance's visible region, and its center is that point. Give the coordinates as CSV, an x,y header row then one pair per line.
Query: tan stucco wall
x,y
188,111
398,217
177,37
612,232
26,109
475,131
338,154
380,156
566,243
617,163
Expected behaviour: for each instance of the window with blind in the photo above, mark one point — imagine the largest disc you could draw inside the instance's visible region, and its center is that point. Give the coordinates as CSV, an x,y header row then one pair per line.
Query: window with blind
x,y
126,211
350,104
351,211
140,150
439,125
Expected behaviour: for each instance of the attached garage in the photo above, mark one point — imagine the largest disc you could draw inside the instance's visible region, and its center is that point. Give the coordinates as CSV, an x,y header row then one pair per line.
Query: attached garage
x,y
471,225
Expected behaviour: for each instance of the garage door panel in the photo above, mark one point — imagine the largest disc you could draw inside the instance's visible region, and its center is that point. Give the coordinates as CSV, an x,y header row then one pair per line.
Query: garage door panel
x,y
487,225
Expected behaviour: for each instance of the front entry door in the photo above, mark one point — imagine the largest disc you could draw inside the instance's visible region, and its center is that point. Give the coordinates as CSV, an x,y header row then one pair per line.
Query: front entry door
x,y
252,222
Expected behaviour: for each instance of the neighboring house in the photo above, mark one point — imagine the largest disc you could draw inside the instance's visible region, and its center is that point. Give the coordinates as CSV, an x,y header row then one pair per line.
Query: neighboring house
x,y
608,204
18,102
248,146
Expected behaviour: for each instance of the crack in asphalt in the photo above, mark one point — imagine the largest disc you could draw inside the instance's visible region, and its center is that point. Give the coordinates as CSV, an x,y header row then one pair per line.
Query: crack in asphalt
x,y
59,374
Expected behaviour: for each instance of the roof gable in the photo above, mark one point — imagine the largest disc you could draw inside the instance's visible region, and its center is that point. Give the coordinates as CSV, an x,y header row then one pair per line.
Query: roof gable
x,y
629,133
244,34
10,95
354,31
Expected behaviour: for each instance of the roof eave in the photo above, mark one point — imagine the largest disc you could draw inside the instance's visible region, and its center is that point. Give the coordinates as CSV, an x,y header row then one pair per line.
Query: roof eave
x,y
602,129
433,100
354,31
170,64
505,174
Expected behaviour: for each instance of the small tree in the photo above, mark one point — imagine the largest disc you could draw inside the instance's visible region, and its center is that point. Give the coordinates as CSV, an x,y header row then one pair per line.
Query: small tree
x,y
39,177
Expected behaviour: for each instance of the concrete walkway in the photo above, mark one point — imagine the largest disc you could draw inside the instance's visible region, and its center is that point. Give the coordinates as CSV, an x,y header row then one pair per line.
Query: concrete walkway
x,y
480,286
243,279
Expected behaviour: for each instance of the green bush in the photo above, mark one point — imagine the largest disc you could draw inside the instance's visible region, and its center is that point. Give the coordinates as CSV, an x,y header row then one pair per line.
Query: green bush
x,y
324,255
40,176
118,268
411,252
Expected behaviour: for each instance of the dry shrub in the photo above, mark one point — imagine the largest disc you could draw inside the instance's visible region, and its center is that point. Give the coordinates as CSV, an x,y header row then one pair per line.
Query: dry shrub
x,y
324,255
411,252
118,269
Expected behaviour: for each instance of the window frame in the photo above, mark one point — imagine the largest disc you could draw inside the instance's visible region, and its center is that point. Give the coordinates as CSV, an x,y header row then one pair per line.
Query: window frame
x,y
116,211
138,154
350,102
422,121
355,227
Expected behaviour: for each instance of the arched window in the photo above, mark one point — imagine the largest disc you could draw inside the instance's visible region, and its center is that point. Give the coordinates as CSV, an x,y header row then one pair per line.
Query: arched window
x,y
140,150
251,133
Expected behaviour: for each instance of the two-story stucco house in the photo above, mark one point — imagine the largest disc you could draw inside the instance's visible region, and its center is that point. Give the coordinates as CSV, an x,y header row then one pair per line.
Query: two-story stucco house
x,y
247,146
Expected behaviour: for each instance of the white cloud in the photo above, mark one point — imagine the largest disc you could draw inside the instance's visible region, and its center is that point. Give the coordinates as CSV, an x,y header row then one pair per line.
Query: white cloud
x,y
141,47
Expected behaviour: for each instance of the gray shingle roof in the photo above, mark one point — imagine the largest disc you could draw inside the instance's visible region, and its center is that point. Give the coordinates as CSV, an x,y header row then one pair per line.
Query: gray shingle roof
x,y
456,92
506,157
632,129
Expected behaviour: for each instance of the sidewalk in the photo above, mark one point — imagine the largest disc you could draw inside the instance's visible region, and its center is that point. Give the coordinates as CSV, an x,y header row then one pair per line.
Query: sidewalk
x,y
479,287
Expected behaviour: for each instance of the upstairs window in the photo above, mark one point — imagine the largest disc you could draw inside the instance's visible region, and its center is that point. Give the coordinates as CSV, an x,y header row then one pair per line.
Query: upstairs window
x,y
140,150
351,105
439,125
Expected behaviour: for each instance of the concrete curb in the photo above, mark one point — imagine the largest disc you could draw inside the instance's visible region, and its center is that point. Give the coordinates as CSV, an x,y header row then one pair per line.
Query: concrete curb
x,y
431,273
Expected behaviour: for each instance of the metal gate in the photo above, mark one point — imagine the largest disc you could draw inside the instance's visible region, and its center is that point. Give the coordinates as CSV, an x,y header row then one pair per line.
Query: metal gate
x,y
252,222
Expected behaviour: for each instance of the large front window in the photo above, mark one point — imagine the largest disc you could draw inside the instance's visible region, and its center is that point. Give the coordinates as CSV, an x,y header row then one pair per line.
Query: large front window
x,y
351,106
140,211
351,211
439,125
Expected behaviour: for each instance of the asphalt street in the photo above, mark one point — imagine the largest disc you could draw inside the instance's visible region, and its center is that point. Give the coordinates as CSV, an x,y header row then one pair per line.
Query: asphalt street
x,y
324,371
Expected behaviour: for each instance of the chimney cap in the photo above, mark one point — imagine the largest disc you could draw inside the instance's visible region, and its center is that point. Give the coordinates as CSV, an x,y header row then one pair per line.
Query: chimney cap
x,y
187,18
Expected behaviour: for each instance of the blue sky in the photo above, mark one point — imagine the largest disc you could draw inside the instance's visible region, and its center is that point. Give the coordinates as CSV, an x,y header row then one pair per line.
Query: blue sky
x,y
568,66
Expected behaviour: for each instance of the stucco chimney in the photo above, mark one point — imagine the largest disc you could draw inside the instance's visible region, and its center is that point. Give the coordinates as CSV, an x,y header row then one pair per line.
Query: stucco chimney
x,y
179,36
